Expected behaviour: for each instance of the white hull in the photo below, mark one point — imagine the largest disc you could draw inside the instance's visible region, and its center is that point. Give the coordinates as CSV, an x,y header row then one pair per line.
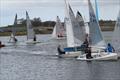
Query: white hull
x,y
99,56
12,42
119,55
32,42
70,55
60,38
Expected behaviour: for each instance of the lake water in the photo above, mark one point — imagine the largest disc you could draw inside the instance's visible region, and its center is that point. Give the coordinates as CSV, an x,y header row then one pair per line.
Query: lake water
x,y
38,62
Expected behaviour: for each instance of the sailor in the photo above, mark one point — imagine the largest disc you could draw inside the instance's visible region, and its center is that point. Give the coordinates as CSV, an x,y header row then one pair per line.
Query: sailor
x,y
59,50
85,45
34,38
109,48
15,39
88,53
1,45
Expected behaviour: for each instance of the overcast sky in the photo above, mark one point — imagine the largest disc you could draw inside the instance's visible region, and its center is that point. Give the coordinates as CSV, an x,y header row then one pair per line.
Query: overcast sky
x,y
49,9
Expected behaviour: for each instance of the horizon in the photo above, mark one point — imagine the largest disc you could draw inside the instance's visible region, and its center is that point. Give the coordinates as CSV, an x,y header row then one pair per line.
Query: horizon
x,y
47,10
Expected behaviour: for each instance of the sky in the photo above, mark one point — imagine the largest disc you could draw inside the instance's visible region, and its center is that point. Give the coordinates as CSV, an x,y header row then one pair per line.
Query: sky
x,y
49,9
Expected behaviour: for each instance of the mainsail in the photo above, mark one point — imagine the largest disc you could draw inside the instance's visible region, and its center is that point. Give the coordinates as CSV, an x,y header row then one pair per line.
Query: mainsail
x,y
96,38
30,31
73,30
116,35
59,30
12,37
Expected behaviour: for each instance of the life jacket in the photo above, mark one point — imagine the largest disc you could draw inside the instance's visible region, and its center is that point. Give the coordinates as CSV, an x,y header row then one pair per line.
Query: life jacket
x,y
110,49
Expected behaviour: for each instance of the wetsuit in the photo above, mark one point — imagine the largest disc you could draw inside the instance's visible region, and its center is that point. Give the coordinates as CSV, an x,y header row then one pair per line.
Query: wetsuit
x,y
60,51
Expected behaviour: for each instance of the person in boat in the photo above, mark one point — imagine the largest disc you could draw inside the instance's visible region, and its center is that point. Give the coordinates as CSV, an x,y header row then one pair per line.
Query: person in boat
x,y
15,39
60,35
109,48
88,53
85,44
34,38
1,45
59,50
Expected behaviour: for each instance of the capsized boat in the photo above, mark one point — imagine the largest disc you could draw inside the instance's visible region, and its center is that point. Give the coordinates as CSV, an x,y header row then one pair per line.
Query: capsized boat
x,y
96,40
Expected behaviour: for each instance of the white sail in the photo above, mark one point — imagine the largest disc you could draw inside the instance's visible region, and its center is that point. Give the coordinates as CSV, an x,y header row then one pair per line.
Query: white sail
x,y
30,31
116,35
54,32
59,30
73,30
12,37
96,38
69,28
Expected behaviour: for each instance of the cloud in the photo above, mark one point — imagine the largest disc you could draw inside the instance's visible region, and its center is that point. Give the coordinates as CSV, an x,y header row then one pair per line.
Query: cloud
x,y
52,3
50,8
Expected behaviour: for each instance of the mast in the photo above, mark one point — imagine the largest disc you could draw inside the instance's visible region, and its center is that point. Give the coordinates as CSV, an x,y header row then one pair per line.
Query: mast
x,y
96,8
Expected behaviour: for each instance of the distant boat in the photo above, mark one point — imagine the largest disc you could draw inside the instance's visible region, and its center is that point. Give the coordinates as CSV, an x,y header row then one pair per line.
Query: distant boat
x,y
31,37
59,30
96,40
13,39
116,36
75,36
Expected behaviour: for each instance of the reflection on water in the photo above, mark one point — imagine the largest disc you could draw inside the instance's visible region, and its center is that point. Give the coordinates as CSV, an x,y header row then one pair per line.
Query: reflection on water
x,y
38,62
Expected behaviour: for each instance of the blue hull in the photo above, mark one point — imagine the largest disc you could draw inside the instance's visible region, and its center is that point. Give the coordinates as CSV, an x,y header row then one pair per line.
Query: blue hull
x,y
73,49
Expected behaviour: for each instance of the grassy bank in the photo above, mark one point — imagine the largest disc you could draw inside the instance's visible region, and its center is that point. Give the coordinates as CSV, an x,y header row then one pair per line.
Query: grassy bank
x,y
47,28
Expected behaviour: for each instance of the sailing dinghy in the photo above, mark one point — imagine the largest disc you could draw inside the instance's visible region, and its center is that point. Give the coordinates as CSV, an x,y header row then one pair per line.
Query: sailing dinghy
x,y
96,40
31,37
13,39
59,30
116,36
74,32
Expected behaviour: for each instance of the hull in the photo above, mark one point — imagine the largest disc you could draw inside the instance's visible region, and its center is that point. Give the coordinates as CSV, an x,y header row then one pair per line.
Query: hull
x,y
100,56
119,55
32,42
70,55
11,42
61,38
